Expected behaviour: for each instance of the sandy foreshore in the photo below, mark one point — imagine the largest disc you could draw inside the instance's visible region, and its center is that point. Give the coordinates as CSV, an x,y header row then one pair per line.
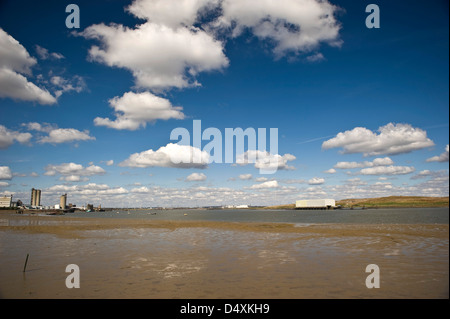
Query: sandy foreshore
x,y
72,227
136,258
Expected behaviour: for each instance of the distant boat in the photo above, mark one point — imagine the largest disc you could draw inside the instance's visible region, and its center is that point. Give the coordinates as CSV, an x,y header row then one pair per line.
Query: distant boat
x,y
185,214
43,211
54,212
88,211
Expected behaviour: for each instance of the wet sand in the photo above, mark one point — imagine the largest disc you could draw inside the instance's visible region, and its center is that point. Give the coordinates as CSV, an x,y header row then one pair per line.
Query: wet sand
x,y
159,259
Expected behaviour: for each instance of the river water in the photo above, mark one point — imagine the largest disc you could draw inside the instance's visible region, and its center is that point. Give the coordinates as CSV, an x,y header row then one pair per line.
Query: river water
x,y
356,216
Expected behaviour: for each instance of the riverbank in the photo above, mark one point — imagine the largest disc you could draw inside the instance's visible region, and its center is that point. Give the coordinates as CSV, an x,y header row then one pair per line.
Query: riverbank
x,y
384,202
396,202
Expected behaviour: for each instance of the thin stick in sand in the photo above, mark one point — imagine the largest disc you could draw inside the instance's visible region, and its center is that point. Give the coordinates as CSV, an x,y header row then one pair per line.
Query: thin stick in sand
x,y
25,266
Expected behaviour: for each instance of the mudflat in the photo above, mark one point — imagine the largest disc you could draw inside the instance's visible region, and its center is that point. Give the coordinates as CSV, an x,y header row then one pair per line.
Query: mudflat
x,y
159,259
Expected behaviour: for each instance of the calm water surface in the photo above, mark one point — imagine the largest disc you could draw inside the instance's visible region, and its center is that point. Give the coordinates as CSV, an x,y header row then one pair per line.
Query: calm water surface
x,y
366,216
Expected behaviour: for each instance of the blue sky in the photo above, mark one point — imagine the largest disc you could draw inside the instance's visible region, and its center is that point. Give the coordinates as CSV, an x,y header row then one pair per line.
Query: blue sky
x,y
360,112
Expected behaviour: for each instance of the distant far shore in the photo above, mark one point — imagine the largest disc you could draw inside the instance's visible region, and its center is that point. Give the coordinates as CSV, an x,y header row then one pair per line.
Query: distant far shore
x,y
354,203
384,202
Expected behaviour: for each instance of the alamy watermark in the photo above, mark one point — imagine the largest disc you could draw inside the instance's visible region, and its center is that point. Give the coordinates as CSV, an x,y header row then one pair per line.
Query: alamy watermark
x,y
73,19
373,280
73,280
234,148
373,19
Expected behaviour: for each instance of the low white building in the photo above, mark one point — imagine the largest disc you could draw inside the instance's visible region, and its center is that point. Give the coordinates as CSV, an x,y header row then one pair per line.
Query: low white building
x,y
315,204
236,206
5,201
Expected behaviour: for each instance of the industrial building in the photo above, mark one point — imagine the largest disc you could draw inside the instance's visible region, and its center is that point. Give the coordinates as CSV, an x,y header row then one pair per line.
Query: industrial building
x,y
315,204
35,197
63,201
6,201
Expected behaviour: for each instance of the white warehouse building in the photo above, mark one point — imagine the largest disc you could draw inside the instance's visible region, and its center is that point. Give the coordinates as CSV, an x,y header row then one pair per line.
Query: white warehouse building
x,y
6,201
315,204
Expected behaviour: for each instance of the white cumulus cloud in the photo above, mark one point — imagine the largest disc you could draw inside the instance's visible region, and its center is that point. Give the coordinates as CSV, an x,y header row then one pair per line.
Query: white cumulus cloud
x,y
173,13
376,162
292,25
63,85
44,54
171,155
65,135
265,160
5,172
196,177
316,181
34,126
158,56
392,139
133,110
268,184
8,137
91,192
441,158
387,170
14,62
73,178
245,177
427,173
73,172
57,135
